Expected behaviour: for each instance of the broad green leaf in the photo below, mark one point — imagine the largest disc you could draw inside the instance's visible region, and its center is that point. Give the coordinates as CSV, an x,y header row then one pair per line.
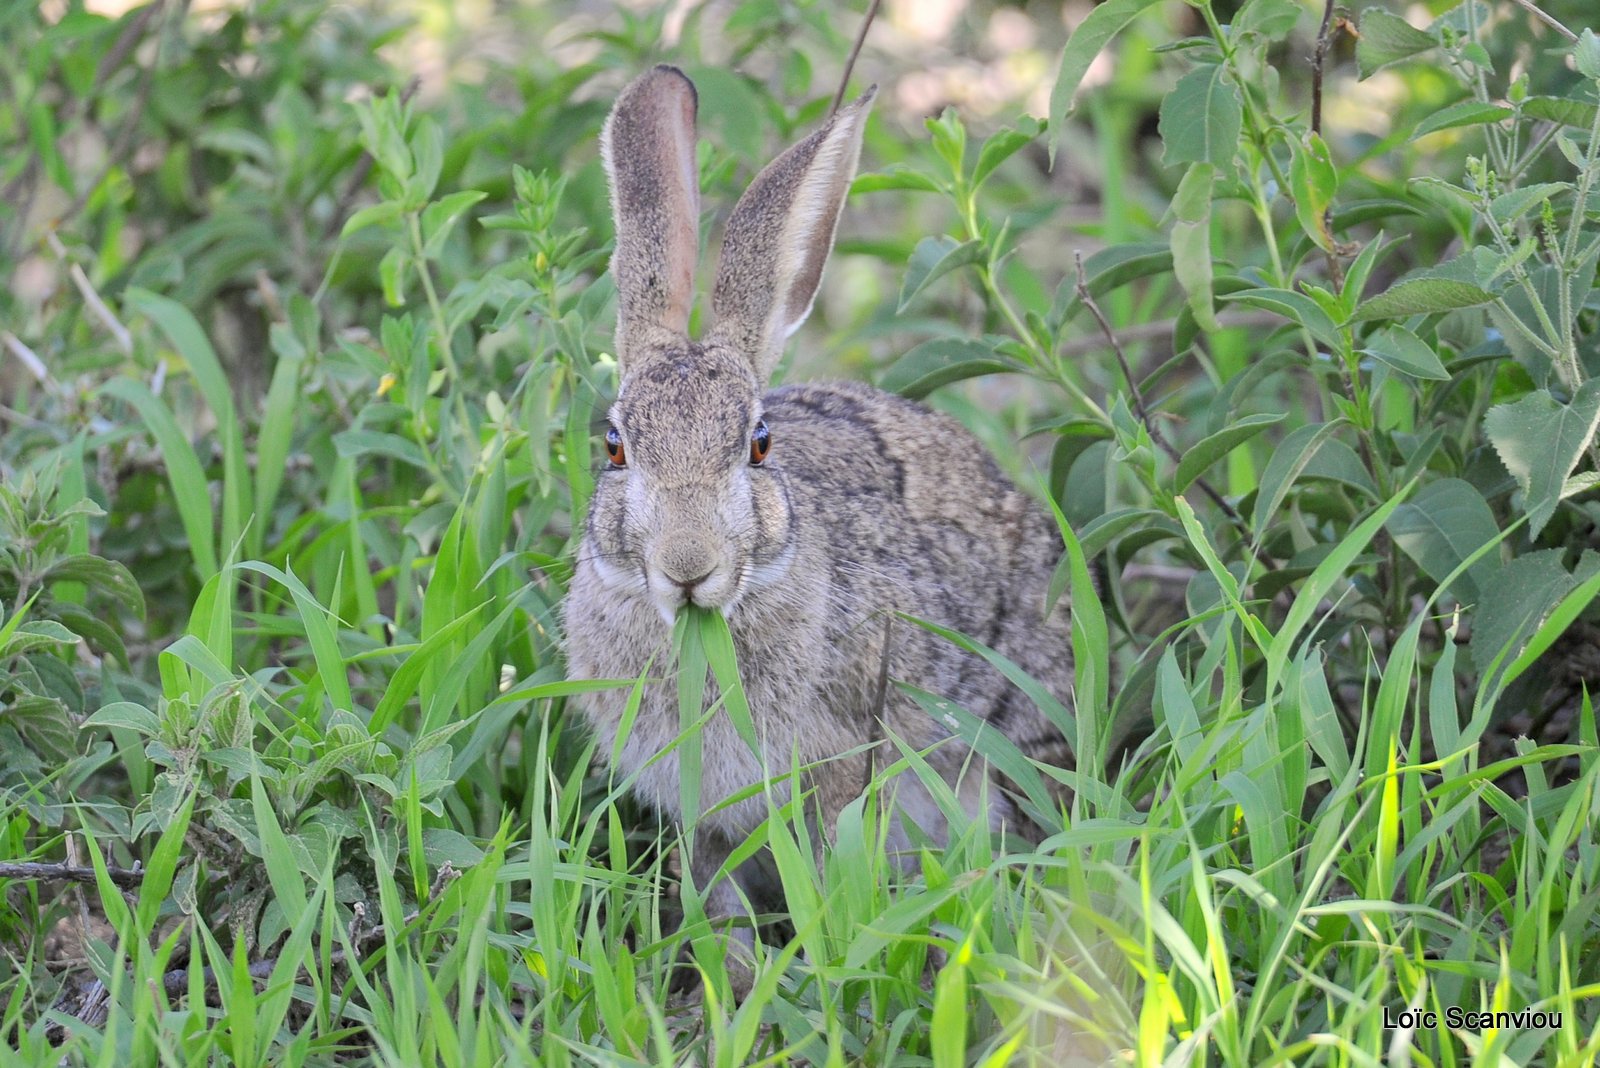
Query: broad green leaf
x,y
1210,449
1271,19
355,443
1509,207
1560,109
1288,462
1200,119
440,218
1315,180
1191,242
932,259
895,176
1406,353
1586,55
1386,39
384,211
1422,296
941,361
1092,35
108,576
1294,306
1540,440
1446,522
1516,600
1002,145
1464,113
1114,267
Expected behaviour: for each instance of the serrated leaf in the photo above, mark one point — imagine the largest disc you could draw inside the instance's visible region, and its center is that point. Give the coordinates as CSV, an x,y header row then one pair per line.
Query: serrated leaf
x,y
1209,450
941,361
1464,113
1407,353
1517,598
1586,55
1446,522
1200,119
1509,207
1422,296
1294,306
1540,440
1386,39
932,259
1086,42
1560,109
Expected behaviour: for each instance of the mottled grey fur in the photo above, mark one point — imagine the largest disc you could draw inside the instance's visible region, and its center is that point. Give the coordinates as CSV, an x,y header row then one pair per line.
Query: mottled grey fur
x,y
868,505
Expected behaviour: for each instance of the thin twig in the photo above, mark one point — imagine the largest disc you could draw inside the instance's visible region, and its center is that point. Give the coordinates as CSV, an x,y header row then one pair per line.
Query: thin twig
x,y
86,289
1324,41
1163,328
1143,412
1545,17
127,878
855,50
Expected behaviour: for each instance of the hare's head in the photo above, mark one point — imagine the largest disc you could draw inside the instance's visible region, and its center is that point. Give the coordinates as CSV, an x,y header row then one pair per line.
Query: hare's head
x,y
692,507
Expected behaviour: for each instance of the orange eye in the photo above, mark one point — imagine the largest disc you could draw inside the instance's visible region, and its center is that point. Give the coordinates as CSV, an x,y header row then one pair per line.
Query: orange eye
x,y
760,443
614,449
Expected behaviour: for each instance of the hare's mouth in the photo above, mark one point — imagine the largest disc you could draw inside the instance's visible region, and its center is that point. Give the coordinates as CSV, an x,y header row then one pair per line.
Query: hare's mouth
x,y
718,588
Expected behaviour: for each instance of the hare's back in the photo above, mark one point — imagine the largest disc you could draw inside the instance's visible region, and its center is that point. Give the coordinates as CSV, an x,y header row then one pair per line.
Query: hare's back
x,y
919,518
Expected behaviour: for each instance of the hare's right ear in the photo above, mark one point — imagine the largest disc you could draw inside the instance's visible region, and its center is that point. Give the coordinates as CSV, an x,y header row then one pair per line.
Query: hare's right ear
x,y
648,150
779,237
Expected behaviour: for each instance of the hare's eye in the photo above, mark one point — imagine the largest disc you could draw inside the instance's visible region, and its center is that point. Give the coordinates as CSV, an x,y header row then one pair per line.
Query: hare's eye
x,y
760,443
614,449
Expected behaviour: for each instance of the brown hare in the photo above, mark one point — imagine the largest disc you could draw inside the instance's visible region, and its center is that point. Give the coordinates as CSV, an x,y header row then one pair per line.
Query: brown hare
x,y
808,515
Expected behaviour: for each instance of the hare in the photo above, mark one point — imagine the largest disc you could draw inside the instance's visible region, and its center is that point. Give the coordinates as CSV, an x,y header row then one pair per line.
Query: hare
x,y
809,516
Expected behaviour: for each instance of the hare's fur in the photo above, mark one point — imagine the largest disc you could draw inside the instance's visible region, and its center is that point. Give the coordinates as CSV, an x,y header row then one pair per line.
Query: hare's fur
x,y
868,505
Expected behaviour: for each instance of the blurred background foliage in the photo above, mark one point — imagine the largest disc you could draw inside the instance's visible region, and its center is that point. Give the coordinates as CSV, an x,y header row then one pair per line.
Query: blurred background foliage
x,y
305,333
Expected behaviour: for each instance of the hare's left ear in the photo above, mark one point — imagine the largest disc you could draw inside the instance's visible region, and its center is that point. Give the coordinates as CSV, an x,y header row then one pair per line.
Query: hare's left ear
x,y
779,236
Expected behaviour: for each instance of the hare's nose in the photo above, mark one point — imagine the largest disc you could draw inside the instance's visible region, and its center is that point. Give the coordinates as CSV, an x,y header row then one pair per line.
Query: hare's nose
x,y
688,585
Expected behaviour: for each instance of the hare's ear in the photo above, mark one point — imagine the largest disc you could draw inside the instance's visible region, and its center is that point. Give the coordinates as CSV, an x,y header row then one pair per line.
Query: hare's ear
x,y
779,236
648,150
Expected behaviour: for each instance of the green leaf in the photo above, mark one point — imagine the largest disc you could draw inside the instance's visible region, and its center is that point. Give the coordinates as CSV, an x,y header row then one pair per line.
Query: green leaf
x,y
1422,296
1092,35
1446,522
128,715
1291,305
1200,119
373,214
1509,207
190,489
941,361
932,259
107,576
1387,39
1314,180
1540,440
1406,353
1289,460
1271,19
440,218
1191,242
355,443
1002,145
1464,113
895,176
1586,55
1560,109
1515,601
1213,448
